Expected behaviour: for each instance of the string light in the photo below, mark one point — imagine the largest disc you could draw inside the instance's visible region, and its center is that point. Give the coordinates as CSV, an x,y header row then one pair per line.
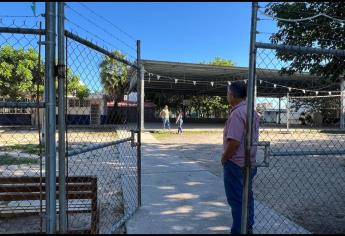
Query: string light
x,y
245,81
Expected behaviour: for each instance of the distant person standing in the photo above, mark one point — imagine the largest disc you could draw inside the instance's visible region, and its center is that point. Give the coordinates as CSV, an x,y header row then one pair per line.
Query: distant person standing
x,y
233,157
165,113
179,122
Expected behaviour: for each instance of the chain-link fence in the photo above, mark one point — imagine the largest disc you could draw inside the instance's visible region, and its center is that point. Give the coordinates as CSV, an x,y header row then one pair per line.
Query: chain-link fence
x,y
99,132
301,187
22,164
101,121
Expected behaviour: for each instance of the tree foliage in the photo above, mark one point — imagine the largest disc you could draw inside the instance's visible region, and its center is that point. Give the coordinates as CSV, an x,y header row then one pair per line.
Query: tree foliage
x,y
317,32
18,69
20,74
114,76
218,61
76,87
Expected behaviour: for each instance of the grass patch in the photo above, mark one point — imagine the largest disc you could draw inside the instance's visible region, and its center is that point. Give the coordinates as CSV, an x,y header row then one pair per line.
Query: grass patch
x,y
27,148
10,160
168,134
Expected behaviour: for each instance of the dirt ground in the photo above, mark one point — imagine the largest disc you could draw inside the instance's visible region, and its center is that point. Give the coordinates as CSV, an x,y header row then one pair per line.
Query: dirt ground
x,y
109,164
308,190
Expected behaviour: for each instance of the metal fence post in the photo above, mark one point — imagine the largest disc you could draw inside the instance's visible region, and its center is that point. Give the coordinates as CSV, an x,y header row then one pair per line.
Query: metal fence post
x,y
342,103
61,116
249,123
50,121
139,123
287,112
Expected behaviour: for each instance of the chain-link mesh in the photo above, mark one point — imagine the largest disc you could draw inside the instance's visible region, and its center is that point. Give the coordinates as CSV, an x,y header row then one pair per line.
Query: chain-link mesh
x,y
22,165
301,189
99,123
102,188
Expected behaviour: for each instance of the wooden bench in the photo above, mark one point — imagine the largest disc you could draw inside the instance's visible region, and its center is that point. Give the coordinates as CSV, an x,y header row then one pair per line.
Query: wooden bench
x,y
28,188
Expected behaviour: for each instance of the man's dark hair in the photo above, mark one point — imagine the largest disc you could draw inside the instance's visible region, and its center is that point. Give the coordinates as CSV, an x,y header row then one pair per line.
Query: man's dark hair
x,y
238,89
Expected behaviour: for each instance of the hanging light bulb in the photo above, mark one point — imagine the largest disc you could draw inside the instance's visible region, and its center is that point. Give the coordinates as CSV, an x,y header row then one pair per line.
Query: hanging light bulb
x,y
176,81
260,81
194,82
212,83
158,77
289,89
229,83
330,93
275,86
316,92
303,90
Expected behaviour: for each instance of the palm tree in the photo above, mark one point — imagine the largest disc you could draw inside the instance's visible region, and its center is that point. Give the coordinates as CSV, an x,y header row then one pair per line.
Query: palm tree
x,y
113,77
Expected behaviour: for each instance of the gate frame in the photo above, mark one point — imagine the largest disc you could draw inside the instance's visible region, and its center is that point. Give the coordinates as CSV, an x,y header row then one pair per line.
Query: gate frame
x,y
252,97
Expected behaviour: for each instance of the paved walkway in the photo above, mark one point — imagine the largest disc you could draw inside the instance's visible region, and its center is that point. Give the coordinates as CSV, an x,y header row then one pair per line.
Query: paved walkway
x,y
180,196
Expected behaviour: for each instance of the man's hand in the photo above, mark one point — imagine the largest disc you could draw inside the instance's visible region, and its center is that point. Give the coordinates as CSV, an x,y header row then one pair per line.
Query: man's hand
x,y
230,150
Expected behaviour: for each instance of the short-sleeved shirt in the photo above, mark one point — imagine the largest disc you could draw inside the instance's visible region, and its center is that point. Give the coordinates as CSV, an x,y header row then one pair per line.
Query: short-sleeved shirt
x,y
165,113
235,128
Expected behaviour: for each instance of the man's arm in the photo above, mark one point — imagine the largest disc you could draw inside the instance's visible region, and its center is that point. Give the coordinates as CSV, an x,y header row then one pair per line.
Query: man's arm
x,y
230,150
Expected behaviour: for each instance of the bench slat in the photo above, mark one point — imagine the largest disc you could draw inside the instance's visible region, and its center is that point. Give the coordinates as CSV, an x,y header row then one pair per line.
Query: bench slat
x,y
36,179
36,188
36,196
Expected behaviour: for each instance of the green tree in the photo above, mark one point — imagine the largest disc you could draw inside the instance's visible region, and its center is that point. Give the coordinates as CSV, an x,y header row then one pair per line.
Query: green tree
x,y
19,75
76,87
18,71
317,32
114,77
218,61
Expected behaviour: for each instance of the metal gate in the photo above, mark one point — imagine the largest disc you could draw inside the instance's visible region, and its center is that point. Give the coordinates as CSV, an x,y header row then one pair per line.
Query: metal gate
x,y
69,159
300,183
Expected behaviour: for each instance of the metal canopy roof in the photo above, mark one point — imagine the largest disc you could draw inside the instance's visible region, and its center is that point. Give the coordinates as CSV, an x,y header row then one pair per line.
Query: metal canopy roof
x,y
186,73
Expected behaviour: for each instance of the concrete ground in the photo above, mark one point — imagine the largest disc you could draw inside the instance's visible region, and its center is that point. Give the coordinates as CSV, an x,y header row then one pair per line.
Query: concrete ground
x,y
180,196
186,126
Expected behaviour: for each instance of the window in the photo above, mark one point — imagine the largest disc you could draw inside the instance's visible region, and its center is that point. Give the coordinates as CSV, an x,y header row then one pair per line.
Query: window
x,y
84,103
76,103
71,103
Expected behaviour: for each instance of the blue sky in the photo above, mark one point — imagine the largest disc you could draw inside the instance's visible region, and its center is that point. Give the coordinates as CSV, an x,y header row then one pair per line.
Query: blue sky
x,y
184,32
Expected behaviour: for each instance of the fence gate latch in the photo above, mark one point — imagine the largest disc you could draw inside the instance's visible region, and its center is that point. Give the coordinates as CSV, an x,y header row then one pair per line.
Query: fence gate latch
x,y
133,142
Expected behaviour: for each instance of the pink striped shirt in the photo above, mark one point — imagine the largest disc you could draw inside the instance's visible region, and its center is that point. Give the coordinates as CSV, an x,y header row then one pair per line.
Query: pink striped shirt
x,y
235,128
